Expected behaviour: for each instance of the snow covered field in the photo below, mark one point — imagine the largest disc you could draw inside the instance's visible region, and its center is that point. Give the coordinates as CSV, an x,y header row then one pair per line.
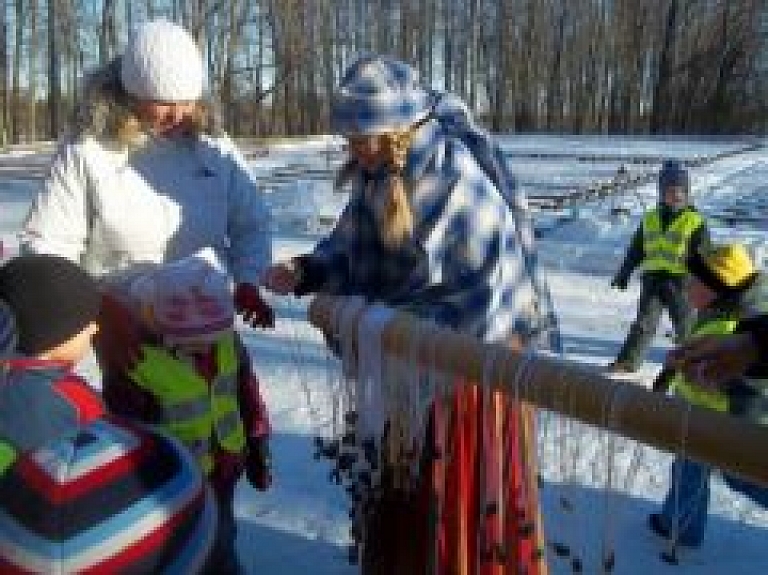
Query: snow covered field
x,y
300,526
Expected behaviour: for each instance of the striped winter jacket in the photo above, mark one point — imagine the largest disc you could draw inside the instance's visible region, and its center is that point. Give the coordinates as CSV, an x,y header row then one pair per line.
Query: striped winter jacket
x,y
42,401
470,264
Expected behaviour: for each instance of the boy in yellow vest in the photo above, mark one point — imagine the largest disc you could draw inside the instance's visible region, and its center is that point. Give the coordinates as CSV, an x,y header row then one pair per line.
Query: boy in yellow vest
x,y
725,288
197,383
660,246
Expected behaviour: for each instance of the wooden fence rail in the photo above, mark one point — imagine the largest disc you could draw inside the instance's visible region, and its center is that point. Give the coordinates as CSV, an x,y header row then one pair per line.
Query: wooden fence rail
x,y
574,390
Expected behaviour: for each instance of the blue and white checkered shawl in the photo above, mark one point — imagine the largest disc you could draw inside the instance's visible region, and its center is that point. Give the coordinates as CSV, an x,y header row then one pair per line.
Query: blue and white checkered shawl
x,y
471,263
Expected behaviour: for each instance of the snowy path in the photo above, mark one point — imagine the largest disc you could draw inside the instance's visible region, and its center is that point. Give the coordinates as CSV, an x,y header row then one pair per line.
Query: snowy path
x,y
300,525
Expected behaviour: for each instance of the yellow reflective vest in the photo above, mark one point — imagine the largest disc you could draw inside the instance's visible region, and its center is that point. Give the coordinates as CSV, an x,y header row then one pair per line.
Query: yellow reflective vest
x,y
7,456
665,250
198,414
695,394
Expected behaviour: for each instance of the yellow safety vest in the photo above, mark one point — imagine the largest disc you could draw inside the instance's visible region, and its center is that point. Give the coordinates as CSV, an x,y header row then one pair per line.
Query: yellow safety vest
x,y
695,394
7,456
666,250
193,411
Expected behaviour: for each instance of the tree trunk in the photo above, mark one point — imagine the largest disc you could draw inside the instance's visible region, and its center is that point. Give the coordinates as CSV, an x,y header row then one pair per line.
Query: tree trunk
x,y
54,70
663,74
107,37
32,58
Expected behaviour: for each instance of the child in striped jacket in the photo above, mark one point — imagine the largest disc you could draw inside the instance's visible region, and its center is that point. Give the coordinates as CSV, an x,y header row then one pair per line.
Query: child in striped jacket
x,y
81,490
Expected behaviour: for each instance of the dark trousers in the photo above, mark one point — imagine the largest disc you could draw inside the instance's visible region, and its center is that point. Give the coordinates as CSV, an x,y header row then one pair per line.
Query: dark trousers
x,y
658,292
223,559
686,507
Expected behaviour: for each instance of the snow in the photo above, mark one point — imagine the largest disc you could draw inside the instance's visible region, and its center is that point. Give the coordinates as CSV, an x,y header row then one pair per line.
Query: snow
x,y
300,525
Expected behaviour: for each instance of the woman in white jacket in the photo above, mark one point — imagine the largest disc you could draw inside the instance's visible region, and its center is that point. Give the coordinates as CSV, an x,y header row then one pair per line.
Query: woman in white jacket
x,y
146,180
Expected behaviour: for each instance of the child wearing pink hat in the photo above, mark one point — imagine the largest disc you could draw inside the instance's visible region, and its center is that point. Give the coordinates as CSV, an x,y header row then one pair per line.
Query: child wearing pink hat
x,y
196,382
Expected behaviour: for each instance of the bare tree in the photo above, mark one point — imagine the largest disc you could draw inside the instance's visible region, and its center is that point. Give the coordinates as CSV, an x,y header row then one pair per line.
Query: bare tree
x,y
586,66
108,35
5,102
54,70
16,115
33,56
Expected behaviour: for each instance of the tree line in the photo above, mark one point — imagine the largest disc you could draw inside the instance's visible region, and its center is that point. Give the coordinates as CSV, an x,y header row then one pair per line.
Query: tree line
x,y
573,66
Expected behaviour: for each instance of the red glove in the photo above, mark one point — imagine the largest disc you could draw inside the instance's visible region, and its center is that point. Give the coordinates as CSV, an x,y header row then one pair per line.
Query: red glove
x,y
251,305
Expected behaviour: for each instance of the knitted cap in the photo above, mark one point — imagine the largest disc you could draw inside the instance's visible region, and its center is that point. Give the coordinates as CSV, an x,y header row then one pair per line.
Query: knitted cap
x,y
52,300
673,173
378,95
110,498
162,62
187,300
723,268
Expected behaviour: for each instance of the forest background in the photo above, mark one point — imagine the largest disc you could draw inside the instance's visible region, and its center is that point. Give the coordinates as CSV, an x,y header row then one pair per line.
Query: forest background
x,y
563,66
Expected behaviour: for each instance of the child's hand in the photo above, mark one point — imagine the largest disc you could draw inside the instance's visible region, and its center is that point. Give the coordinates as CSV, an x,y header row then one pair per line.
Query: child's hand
x,y
714,360
620,282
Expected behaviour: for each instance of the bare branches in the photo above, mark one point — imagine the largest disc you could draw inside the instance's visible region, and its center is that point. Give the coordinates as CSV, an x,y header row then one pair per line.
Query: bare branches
x,y
585,66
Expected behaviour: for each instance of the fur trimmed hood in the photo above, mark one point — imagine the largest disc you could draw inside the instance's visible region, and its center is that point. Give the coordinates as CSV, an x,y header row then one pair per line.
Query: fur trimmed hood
x,y
105,107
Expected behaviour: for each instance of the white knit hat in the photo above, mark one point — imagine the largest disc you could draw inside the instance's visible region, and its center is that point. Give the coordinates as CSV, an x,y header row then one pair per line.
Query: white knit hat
x,y
162,62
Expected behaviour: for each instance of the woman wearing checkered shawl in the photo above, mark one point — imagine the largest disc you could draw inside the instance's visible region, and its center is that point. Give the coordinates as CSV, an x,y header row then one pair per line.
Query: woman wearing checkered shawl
x,y
437,227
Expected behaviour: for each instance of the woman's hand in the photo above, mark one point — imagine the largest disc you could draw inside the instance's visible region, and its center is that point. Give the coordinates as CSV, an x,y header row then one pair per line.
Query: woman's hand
x,y
714,360
281,278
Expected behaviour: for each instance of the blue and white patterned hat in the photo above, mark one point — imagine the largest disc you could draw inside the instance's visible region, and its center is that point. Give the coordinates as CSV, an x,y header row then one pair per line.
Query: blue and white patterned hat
x,y
377,95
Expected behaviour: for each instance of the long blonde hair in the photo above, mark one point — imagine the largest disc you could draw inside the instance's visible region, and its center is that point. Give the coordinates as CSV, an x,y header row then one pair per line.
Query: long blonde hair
x,y
394,213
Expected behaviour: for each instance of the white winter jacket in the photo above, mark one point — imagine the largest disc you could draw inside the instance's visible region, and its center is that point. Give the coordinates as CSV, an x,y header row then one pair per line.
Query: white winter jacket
x,y
113,211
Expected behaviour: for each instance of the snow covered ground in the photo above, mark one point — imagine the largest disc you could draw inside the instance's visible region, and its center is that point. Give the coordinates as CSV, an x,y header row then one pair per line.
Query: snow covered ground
x,y
300,526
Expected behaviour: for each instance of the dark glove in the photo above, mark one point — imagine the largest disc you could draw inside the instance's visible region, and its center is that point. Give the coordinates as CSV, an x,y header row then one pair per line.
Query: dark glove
x,y
251,305
663,380
620,282
258,463
118,343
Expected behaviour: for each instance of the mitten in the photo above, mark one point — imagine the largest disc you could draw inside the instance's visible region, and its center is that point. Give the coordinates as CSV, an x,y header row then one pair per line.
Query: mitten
x,y
620,282
258,463
251,305
663,380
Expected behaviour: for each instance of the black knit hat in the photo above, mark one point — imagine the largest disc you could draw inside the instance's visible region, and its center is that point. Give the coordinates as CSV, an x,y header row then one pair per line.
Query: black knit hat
x,y
52,300
673,173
